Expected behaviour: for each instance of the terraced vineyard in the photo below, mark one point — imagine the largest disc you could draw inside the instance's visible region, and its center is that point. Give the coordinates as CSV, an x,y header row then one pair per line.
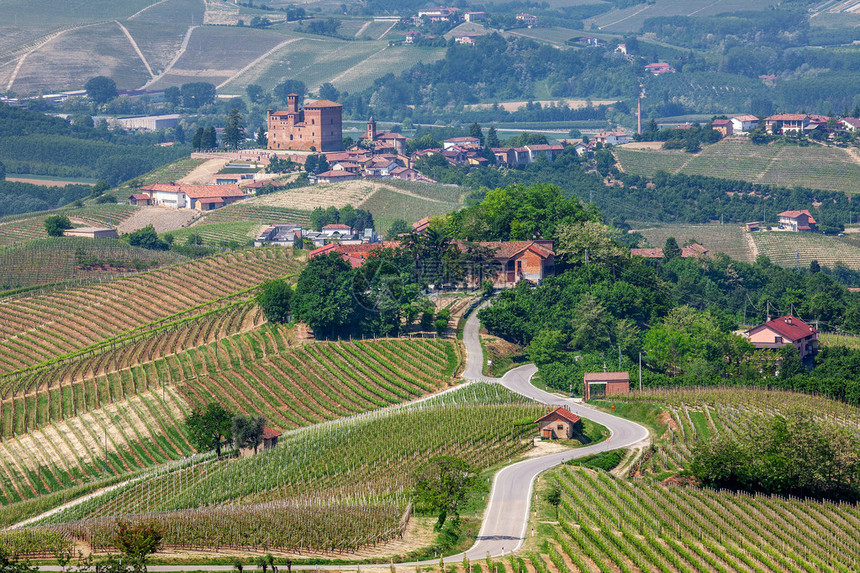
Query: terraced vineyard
x,y
813,166
126,436
172,172
62,259
260,214
640,524
220,233
729,239
41,328
375,460
783,248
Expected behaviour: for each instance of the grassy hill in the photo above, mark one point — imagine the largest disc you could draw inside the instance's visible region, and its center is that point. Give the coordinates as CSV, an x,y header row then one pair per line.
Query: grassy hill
x,y
815,166
169,42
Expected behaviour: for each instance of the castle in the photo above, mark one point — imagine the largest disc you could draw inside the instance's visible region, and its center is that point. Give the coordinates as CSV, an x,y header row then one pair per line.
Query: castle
x,y
318,125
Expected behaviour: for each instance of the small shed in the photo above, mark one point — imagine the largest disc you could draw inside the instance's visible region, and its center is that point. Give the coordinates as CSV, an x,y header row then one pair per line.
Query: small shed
x,y
91,233
139,199
599,384
558,424
270,438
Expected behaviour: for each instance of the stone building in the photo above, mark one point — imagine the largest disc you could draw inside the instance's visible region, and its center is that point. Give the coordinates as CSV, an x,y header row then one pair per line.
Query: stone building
x,y
318,126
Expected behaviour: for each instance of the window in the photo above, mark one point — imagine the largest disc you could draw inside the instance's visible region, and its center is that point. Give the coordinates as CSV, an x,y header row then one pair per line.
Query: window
x,y
560,427
777,339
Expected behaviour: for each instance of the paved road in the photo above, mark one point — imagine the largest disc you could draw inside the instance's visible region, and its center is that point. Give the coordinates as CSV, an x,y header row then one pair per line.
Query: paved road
x,y
506,516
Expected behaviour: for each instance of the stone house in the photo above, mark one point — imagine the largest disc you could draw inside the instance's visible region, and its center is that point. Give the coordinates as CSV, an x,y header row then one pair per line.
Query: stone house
x,y
559,424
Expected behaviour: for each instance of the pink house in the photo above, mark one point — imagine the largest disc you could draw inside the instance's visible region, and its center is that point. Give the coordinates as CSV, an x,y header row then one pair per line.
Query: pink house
x,y
783,331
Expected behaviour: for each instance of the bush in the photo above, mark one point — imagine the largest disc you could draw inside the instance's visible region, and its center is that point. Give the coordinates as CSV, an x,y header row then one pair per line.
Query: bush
x,y
605,461
147,238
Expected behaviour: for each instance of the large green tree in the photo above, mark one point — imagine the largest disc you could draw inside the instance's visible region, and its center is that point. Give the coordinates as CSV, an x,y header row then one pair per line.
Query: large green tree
x,y
442,486
197,94
274,298
234,131
209,428
56,224
101,89
324,297
247,431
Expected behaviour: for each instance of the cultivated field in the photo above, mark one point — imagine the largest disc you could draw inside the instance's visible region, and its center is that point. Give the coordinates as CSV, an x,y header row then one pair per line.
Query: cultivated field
x,y
240,232
783,249
62,259
631,19
641,524
814,166
40,328
410,201
300,472
729,239
15,230
77,55
350,66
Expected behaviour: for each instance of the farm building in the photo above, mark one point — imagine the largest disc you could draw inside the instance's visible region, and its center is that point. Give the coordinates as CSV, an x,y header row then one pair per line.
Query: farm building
x,y
787,122
91,233
270,438
797,221
279,235
317,125
519,260
139,199
724,126
658,68
599,384
333,176
558,424
783,331
744,123
612,138
198,197
149,122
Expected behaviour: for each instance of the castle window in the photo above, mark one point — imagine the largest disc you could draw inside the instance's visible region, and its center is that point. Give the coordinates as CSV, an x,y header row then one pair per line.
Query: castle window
x,y
291,137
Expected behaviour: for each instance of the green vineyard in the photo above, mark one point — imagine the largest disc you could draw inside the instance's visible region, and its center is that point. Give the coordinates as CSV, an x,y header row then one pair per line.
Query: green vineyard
x,y
608,523
56,260
356,469
813,166
130,418
42,328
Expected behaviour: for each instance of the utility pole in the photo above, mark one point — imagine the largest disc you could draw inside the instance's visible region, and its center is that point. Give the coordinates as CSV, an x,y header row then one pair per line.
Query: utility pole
x,y
619,357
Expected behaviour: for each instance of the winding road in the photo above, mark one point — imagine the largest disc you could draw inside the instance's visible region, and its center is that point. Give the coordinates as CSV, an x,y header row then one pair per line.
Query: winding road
x,y
506,517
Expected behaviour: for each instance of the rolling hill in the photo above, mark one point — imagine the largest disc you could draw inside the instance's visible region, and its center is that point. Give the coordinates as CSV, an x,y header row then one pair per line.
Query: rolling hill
x,y
814,166
162,43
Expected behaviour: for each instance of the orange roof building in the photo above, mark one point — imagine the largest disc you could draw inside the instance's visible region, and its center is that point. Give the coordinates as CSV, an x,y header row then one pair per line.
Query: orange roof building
x,y
560,424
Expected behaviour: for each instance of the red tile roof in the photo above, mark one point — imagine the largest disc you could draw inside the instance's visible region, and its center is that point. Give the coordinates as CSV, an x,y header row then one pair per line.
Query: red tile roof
x,y
322,103
337,226
335,174
721,122
508,249
561,412
140,197
746,117
789,327
269,433
788,117
852,121
655,253
197,191
796,214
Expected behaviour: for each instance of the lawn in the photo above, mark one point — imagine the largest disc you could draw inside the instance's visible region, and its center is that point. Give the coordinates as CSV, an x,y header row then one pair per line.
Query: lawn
x,y
814,166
